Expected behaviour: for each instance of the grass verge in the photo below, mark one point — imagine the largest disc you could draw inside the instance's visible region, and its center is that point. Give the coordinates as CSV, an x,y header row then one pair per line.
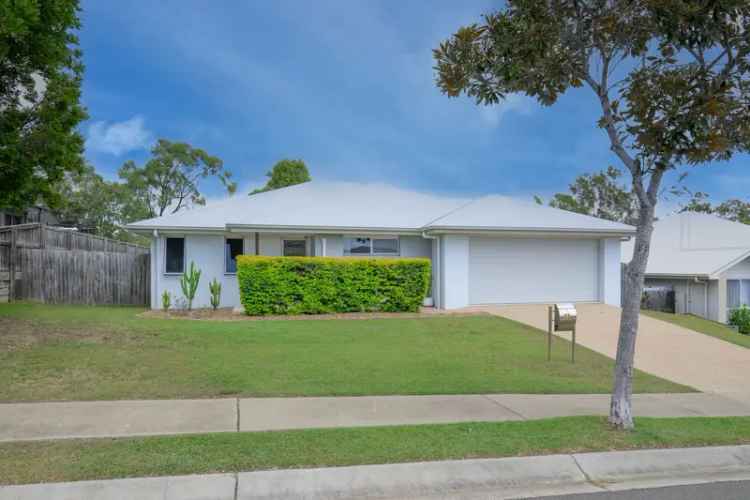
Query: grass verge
x,y
71,460
701,325
104,353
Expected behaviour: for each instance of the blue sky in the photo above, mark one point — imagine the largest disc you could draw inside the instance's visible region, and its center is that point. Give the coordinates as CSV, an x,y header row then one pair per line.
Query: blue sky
x,y
347,86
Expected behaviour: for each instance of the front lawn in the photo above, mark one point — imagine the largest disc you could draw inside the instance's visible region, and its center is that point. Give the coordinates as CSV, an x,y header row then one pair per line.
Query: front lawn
x,y
701,325
89,353
71,460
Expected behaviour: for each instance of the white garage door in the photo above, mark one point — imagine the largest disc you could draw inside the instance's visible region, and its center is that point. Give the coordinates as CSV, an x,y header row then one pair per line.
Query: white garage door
x,y
507,270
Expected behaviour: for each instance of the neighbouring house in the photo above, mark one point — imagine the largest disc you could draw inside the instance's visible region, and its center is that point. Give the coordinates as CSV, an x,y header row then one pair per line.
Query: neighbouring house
x,y
488,250
38,213
704,259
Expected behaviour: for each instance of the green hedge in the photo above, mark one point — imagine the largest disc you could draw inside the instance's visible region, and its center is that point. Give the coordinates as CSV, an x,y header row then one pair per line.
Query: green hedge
x,y
317,285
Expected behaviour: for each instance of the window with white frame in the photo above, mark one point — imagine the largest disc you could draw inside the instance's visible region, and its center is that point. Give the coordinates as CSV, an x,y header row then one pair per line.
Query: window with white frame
x,y
365,246
232,248
174,256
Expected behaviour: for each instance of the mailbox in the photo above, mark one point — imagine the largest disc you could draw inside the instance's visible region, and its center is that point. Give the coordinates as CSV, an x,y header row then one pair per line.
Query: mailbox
x,y
565,317
562,318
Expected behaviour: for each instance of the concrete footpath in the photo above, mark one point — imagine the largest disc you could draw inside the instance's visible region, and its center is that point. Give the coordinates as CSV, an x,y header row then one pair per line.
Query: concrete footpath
x,y
37,421
487,478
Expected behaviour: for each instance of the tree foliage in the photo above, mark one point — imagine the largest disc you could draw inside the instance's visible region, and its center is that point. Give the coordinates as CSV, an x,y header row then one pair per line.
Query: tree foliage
x,y
671,78
170,180
285,173
735,210
40,79
600,195
89,203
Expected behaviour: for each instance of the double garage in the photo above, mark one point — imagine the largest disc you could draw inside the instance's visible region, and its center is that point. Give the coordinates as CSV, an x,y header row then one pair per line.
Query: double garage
x,y
479,270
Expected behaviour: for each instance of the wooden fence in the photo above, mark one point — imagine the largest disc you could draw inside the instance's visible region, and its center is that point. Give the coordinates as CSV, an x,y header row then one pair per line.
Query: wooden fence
x,y
60,266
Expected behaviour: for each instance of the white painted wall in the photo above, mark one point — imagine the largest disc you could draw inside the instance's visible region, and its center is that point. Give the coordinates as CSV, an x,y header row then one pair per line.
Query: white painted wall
x,y
207,251
610,266
454,261
415,246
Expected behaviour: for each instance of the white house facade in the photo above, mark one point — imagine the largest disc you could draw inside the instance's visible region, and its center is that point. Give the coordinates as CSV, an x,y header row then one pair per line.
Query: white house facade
x,y
704,259
489,250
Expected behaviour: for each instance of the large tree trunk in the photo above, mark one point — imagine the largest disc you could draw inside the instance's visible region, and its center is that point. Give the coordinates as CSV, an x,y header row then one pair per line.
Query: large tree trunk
x,y
620,412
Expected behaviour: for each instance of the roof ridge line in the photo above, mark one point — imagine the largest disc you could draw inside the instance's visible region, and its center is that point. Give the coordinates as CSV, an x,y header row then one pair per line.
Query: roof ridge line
x,y
450,212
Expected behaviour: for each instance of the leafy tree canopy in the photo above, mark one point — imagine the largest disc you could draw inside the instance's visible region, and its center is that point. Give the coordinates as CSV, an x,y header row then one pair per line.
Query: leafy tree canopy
x,y
40,79
671,78
734,209
600,195
170,180
285,173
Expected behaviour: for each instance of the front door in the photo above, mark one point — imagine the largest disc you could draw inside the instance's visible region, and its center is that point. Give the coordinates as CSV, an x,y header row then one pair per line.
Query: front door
x,y
295,248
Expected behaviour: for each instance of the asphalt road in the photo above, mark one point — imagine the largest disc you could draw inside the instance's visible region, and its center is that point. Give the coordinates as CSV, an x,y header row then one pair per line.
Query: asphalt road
x,y
730,490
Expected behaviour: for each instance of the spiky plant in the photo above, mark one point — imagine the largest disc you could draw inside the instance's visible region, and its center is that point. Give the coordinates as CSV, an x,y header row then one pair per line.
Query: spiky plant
x,y
215,288
189,283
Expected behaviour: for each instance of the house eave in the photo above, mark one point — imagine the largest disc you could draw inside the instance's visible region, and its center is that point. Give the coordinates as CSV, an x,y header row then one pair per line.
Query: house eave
x,y
262,228
530,231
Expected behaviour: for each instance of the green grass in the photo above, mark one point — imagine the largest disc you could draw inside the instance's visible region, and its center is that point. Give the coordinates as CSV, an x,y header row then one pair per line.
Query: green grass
x,y
98,353
70,460
701,325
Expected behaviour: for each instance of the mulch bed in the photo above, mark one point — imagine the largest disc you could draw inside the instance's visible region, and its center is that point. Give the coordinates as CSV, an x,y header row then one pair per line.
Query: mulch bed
x,y
228,314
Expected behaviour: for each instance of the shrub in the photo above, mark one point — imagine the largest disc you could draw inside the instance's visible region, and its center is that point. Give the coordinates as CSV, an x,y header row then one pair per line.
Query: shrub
x,y
214,288
166,300
741,319
189,284
317,285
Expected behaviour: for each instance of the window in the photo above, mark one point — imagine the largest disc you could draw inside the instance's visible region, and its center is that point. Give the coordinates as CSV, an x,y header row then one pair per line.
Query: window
x,y
738,293
175,255
357,246
295,248
232,248
371,246
385,246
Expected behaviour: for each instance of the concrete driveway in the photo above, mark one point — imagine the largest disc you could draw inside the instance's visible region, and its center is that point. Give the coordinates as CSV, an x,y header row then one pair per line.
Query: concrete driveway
x,y
663,349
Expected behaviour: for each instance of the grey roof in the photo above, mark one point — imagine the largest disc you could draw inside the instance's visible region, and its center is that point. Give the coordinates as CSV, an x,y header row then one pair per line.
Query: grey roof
x,y
351,206
694,244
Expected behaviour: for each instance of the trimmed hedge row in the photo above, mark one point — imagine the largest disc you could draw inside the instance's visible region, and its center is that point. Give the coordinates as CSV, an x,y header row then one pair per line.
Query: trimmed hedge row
x,y
318,285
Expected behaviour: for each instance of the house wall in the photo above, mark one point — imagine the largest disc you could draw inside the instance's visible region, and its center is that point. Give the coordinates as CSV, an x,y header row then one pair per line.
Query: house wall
x,y
610,268
713,300
454,270
207,251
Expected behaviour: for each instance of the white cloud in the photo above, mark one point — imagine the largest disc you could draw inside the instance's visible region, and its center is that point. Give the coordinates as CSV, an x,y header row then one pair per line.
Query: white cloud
x,y
118,137
513,103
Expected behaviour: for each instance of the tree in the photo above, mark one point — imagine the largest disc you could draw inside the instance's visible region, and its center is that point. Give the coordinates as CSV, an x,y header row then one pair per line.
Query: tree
x,y
285,173
671,78
169,181
734,209
599,195
40,80
89,203
94,205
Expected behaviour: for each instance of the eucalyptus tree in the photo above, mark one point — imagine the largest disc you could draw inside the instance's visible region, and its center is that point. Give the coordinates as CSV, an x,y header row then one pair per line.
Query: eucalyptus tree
x,y
671,79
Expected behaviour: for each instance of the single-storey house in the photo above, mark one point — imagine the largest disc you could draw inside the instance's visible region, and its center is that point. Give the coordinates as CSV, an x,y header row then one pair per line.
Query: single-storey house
x,y
486,250
704,258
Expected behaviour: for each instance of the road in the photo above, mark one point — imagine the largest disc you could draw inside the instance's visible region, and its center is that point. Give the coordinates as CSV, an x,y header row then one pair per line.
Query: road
x,y
730,490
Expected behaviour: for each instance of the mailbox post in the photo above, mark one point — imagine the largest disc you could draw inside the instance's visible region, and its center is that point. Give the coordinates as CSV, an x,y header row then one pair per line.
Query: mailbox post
x,y
562,318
